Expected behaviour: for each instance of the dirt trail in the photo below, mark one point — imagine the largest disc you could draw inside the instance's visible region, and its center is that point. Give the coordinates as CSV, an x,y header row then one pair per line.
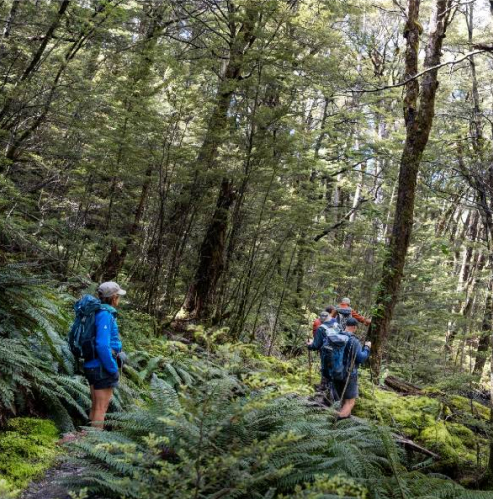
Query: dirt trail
x,y
48,487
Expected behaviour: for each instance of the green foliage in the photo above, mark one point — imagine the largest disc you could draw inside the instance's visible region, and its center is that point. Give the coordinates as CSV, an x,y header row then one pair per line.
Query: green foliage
x,y
37,369
220,437
27,448
334,487
441,424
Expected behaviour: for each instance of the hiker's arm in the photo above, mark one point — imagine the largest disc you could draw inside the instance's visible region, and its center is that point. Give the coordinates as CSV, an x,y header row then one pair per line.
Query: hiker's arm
x,y
103,336
360,318
317,343
362,353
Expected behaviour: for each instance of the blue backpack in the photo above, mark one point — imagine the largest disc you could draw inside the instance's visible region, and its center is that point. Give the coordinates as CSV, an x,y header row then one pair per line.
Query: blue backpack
x,y
334,347
82,336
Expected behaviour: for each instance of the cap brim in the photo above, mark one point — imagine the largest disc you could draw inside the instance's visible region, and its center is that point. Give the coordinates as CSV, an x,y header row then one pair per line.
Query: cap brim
x,y
121,292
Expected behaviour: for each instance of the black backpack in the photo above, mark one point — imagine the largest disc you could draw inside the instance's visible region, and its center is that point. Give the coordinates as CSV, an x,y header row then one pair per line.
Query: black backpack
x,y
343,314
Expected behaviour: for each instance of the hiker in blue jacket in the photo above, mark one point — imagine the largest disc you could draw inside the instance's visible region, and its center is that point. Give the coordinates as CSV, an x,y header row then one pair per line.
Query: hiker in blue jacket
x,y
327,319
354,356
102,371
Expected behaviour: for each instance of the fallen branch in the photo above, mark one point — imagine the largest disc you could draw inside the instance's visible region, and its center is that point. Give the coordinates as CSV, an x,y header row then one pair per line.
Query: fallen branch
x,y
410,444
401,386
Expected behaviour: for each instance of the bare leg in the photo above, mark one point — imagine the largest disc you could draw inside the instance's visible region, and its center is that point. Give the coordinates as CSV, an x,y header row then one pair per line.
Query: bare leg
x,y
91,414
102,400
346,408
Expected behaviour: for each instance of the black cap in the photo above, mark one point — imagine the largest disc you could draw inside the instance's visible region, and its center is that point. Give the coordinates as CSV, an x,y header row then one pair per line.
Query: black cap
x,y
351,322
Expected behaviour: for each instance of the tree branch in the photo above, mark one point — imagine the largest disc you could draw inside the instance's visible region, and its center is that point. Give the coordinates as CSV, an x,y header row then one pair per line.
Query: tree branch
x,y
346,217
479,50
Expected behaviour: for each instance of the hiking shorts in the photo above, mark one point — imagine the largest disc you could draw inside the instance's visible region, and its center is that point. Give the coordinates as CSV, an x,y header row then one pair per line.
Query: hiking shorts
x,y
100,378
351,391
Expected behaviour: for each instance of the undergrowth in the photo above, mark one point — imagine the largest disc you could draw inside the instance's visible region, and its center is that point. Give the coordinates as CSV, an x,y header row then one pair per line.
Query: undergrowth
x,y
453,427
223,422
210,420
27,449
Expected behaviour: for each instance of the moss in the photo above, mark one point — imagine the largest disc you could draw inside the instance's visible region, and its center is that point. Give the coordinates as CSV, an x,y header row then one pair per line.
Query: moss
x,y
410,415
27,449
449,440
464,406
6,491
429,422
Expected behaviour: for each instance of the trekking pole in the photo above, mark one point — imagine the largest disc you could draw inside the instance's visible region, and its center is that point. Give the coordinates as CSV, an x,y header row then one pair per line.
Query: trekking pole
x,y
310,367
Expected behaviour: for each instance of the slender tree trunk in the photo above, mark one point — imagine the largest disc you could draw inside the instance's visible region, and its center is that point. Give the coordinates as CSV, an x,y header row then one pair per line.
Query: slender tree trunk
x,y
118,259
419,109
486,329
33,64
203,289
10,19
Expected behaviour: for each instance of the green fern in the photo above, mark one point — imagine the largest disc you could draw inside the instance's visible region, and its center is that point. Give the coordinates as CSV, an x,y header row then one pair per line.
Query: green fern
x,y
216,438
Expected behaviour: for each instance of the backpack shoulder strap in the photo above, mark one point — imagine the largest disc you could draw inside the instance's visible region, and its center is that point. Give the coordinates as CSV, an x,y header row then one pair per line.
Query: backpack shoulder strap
x,y
350,346
108,308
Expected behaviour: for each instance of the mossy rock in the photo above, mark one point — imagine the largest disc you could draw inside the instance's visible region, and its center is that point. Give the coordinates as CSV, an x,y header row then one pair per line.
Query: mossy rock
x,y
27,449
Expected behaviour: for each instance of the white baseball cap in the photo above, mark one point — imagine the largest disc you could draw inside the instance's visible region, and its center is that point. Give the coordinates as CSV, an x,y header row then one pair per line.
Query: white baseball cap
x,y
110,288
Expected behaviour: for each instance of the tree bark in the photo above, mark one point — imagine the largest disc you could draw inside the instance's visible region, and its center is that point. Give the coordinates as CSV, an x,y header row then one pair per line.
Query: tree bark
x,y
201,293
203,289
419,109
10,19
486,329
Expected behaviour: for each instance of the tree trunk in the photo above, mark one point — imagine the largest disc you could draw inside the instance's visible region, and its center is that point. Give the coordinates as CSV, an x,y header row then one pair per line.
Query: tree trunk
x,y
10,18
118,259
419,109
201,294
486,329
488,477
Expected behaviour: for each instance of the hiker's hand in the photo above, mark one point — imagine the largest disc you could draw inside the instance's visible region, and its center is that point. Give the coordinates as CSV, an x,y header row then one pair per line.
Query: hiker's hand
x,y
368,344
121,359
308,342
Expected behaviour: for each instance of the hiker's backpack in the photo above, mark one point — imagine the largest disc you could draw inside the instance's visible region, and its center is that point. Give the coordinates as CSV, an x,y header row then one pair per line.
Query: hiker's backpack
x,y
334,347
343,314
82,336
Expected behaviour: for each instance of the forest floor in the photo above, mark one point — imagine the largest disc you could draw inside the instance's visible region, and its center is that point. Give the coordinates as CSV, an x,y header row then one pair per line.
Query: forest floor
x,y
49,486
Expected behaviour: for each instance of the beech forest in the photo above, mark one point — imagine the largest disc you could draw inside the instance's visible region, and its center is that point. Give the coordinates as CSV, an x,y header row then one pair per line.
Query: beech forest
x,y
281,214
